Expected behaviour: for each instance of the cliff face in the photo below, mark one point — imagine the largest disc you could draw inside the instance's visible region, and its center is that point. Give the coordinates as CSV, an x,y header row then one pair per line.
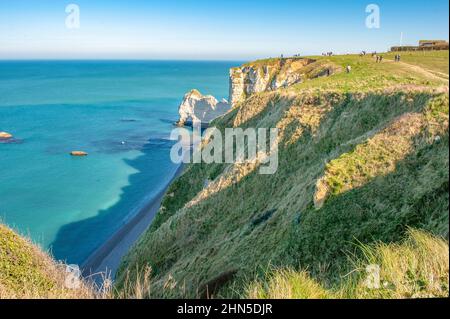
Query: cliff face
x,y
256,77
201,108
268,75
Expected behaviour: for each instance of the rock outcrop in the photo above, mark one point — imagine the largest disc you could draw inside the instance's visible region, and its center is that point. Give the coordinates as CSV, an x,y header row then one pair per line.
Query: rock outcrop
x,y
5,136
271,75
78,153
201,108
249,79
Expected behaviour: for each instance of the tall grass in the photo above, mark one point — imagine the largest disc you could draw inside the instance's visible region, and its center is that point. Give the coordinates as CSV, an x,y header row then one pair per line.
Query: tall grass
x,y
26,272
418,267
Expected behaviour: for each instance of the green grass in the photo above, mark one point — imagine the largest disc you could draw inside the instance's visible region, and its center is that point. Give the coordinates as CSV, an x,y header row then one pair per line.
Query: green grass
x,y
377,156
436,61
27,272
353,129
367,75
414,268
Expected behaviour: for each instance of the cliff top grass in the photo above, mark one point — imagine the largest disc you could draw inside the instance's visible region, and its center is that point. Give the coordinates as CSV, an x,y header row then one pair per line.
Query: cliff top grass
x,y
274,61
367,75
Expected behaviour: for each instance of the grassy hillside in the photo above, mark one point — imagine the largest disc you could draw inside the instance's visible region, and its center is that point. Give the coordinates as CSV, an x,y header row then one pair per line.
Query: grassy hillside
x,y
363,158
27,272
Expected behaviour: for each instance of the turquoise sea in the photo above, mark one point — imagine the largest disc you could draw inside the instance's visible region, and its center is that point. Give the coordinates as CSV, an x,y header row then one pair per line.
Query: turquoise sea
x,y
72,205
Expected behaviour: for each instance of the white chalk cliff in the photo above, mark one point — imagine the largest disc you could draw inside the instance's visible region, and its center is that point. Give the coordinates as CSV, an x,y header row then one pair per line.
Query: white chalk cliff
x,y
249,79
271,75
201,108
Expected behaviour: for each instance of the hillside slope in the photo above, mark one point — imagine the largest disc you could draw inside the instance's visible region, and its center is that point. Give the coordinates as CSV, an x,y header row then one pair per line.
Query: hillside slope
x,y
27,272
363,157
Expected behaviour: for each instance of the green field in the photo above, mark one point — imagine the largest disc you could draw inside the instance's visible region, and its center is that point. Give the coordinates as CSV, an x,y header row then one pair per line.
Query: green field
x,y
436,61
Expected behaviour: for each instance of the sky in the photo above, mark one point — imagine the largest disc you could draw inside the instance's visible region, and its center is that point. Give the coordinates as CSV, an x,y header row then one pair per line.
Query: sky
x,y
212,30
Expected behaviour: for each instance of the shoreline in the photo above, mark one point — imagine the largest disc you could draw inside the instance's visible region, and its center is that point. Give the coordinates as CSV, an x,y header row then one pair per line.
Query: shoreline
x,y
107,258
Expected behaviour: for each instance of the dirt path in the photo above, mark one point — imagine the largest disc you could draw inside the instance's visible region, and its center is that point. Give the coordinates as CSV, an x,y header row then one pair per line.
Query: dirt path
x,y
425,72
433,75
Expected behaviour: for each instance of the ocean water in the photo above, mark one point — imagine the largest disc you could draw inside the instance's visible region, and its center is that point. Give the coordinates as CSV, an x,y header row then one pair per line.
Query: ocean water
x,y
72,205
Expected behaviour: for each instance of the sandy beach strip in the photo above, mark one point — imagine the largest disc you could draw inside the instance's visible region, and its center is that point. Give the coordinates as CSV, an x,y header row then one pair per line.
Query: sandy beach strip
x,y
107,258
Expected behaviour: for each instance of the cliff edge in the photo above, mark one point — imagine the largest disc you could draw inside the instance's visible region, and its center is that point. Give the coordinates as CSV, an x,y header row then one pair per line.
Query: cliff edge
x,y
274,74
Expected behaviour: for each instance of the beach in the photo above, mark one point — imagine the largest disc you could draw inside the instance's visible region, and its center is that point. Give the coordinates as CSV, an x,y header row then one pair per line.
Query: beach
x,y
107,258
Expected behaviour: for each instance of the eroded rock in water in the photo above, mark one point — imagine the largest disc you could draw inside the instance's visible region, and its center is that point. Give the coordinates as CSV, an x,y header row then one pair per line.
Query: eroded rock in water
x,y
78,153
5,135
198,108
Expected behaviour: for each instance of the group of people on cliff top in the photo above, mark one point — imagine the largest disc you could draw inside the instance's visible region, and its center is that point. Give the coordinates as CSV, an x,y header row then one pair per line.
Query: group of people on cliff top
x,y
378,57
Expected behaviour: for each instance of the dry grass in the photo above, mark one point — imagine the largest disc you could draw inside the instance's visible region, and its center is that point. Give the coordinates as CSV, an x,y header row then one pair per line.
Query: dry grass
x,y
137,288
287,284
415,268
26,272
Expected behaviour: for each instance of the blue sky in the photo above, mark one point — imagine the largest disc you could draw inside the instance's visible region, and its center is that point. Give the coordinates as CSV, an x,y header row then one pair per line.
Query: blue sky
x,y
227,29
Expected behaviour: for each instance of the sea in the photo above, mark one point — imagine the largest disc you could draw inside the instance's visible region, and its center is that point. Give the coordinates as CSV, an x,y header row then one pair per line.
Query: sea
x,y
121,113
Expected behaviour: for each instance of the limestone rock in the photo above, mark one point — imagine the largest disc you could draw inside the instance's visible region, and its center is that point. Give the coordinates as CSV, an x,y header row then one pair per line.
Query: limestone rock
x,y
5,135
78,153
268,75
198,108
321,193
237,87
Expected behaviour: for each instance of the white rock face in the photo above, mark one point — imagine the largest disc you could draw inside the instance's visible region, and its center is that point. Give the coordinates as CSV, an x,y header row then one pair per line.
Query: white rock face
x,y
237,87
248,80
200,108
285,80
